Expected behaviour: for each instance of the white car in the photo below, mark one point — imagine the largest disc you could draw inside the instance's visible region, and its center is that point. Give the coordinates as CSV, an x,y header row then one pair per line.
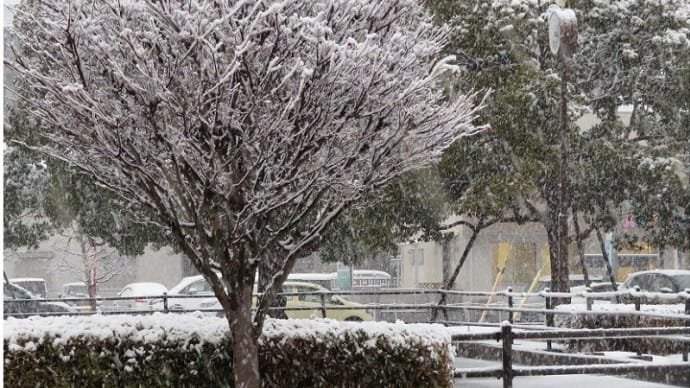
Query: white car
x,y
78,290
36,286
140,297
192,293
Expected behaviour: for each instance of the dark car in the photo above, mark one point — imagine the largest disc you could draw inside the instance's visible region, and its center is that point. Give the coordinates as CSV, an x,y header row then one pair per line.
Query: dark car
x,y
659,281
20,303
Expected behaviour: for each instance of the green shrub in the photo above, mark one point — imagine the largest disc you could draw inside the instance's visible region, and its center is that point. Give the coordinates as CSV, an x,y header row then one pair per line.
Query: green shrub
x,y
154,351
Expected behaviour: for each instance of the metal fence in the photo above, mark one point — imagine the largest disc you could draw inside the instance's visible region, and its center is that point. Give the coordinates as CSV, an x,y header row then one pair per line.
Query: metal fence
x,y
423,305
507,372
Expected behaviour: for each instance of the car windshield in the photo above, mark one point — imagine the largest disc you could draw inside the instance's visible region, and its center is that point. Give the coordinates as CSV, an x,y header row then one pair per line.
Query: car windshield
x,y
34,286
12,291
77,289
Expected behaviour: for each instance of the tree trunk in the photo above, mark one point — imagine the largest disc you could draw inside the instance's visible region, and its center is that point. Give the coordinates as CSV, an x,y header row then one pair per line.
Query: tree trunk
x,y
446,256
609,270
580,248
245,347
451,280
89,266
266,270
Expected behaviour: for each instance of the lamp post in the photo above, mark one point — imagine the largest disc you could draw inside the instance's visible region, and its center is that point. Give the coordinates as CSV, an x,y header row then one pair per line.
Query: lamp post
x,y
563,43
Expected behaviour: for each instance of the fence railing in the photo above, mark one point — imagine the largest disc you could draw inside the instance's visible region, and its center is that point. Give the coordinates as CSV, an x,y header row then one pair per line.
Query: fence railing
x,y
505,303
508,371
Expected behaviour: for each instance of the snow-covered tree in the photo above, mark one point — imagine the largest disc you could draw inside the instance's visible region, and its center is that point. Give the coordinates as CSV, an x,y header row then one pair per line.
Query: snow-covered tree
x,y
44,197
631,52
245,127
637,53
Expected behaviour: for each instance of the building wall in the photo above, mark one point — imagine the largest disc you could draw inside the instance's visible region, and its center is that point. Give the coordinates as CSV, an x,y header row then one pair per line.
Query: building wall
x,y
161,266
520,250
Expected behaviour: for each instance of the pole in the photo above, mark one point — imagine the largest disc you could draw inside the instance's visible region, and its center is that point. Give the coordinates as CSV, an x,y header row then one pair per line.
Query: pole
x,y
561,275
507,336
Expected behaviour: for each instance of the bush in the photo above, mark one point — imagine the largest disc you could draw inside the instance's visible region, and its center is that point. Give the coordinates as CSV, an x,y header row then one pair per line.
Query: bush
x,y
619,316
193,351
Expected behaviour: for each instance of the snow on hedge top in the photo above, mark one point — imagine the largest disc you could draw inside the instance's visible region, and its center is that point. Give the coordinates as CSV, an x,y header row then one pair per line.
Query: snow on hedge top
x,y
182,327
658,310
398,333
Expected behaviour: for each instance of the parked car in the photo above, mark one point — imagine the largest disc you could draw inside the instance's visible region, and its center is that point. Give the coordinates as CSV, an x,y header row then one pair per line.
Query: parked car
x,y
659,281
77,290
575,282
595,288
144,296
313,302
180,297
19,302
36,286
197,285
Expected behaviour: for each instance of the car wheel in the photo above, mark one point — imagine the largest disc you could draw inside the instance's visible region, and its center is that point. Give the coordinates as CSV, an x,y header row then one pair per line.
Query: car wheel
x,y
353,319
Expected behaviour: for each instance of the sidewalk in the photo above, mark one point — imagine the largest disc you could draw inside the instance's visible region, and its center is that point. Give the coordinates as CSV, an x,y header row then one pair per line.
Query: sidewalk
x,y
562,381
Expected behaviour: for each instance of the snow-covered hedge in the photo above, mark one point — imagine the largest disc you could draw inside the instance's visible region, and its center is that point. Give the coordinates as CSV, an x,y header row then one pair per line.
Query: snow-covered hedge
x,y
193,350
624,316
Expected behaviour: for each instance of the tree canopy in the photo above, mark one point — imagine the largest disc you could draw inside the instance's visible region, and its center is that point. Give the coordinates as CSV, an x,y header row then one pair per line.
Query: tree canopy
x,y
244,128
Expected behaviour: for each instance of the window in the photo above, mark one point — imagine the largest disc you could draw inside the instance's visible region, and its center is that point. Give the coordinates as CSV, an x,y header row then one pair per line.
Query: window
x,y
659,282
312,298
683,281
11,292
198,286
641,281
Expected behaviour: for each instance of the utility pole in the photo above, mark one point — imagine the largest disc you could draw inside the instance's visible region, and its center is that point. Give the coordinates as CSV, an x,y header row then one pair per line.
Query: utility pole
x,y
562,42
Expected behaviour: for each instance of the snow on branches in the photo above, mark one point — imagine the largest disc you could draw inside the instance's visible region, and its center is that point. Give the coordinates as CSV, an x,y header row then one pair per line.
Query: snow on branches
x,y
242,125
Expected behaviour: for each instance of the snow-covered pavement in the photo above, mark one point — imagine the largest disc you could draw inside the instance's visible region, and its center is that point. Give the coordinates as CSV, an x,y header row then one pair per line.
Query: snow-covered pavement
x,y
562,381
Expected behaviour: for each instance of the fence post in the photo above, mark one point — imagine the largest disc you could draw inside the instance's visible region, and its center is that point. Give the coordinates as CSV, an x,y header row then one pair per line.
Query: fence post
x,y
323,305
507,338
548,318
687,322
510,305
165,302
588,299
638,302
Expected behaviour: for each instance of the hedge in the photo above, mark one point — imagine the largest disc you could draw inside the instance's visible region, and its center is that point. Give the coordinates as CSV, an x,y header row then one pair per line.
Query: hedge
x,y
619,317
192,350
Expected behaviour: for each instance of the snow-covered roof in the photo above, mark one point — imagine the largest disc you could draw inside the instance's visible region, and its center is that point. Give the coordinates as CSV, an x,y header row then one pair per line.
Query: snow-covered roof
x,y
370,273
312,276
316,287
13,280
669,272
147,288
184,283
78,284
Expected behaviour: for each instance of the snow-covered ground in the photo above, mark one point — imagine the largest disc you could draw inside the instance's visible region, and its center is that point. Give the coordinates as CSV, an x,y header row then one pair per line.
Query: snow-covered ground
x,y
562,381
